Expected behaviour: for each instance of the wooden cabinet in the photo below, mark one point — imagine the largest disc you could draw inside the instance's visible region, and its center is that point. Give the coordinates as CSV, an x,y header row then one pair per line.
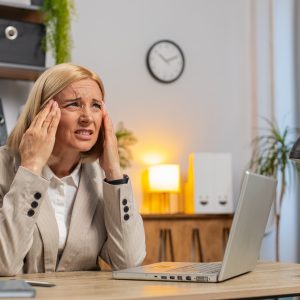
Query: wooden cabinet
x,y
186,236
189,234
26,13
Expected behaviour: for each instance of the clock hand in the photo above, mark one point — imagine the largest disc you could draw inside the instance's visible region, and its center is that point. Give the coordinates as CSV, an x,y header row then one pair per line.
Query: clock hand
x,y
171,58
162,57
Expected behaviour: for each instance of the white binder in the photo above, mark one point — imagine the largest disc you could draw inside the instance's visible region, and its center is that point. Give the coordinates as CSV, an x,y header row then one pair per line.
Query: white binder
x,y
209,185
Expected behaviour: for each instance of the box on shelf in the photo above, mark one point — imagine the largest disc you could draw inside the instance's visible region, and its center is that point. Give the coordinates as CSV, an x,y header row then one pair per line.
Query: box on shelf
x,y
20,43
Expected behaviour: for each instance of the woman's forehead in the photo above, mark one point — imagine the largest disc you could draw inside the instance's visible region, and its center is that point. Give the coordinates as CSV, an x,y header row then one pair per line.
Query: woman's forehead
x,y
86,88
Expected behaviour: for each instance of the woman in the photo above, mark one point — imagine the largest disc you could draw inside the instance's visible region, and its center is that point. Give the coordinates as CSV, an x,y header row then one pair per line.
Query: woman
x,y
63,198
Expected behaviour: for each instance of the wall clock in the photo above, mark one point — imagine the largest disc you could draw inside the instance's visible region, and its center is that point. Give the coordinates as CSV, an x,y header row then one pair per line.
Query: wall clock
x,y
165,61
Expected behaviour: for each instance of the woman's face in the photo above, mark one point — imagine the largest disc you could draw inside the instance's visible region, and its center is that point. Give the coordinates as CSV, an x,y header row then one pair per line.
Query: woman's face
x,y
81,116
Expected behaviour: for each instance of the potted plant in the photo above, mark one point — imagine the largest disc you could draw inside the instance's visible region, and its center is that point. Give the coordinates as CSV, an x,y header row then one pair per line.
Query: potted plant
x,y
57,19
270,158
125,140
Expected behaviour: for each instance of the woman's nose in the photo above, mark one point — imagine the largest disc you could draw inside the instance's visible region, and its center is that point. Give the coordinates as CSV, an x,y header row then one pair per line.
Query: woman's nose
x,y
85,118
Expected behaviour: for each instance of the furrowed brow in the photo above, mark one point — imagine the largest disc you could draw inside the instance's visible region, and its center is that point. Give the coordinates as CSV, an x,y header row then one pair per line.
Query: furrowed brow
x,y
71,100
97,100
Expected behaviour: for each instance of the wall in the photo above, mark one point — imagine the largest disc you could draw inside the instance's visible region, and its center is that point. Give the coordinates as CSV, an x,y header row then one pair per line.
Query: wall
x,y
275,98
297,93
208,109
284,87
234,75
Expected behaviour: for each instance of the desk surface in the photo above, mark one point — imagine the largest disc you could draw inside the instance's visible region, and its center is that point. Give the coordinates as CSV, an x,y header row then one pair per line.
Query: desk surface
x,y
268,279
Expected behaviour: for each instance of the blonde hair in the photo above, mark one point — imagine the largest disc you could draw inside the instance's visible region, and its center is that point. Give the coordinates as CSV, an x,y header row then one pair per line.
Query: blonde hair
x,y
47,86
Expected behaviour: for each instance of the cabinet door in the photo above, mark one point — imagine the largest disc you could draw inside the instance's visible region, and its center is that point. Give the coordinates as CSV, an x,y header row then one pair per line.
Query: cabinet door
x,y
212,234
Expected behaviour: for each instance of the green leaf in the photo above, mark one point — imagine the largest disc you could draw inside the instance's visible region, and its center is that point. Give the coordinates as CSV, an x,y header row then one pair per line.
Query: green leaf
x,y
125,140
57,19
271,150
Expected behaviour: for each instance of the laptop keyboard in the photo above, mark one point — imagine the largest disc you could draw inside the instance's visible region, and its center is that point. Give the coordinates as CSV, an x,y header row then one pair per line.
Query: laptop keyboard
x,y
210,268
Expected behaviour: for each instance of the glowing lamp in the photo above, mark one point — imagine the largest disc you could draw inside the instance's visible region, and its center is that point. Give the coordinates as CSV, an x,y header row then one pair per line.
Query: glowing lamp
x,y
164,178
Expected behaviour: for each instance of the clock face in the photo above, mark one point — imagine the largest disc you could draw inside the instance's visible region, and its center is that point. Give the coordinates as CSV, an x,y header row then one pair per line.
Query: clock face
x,y
165,61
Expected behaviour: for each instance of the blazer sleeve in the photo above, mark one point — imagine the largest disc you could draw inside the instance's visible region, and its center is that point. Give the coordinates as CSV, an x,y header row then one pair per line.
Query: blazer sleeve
x,y
125,244
20,197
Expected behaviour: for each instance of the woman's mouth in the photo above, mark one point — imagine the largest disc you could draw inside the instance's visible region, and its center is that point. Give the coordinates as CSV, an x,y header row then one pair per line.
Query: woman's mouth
x,y
84,134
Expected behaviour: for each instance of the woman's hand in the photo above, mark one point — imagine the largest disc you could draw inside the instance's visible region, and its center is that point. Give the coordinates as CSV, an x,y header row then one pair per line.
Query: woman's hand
x,y
38,141
109,160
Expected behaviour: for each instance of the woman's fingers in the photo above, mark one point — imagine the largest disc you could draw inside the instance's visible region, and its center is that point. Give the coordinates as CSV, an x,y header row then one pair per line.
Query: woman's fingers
x,y
39,139
42,115
109,160
51,115
54,122
108,125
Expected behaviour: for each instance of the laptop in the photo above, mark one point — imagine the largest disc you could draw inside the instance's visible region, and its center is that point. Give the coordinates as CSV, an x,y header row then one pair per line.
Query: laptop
x,y
243,246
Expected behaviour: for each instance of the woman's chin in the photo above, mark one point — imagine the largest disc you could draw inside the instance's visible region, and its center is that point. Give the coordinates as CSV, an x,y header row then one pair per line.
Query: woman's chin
x,y
84,147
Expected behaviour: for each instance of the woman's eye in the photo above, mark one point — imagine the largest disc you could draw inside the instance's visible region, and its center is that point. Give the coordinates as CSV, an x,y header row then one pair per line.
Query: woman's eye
x,y
97,105
72,104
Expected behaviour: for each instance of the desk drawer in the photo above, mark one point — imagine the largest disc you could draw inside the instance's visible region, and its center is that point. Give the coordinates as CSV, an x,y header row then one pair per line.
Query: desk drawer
x,y
20,43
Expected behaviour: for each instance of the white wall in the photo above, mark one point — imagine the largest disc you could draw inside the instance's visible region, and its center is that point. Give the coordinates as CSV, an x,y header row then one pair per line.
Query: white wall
x,y
275,93
207,109
284,86
297,92
232,78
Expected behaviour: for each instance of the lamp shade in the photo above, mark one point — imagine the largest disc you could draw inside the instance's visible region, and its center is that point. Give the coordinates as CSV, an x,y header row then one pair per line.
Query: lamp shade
x,y
295,152
164,178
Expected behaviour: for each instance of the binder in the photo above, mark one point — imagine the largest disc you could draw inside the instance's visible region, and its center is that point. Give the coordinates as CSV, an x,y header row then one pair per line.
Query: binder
x,y
3,130
209,186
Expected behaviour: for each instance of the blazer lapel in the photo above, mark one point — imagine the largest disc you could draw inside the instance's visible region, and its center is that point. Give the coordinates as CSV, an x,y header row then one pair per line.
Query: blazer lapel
x,y
47,226
84,208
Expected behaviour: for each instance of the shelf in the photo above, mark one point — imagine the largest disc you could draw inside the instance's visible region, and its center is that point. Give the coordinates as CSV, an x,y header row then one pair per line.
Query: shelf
x,y
186,216
19,5
20,72
22,12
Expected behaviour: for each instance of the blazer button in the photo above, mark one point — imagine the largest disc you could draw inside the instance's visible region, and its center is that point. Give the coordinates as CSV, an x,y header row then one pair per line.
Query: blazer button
x,y
30,213
124,201
126,217
37,196
126,209
34,204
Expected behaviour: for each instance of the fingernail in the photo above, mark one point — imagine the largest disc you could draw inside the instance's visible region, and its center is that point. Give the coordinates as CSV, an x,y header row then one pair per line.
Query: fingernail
x,y
55,104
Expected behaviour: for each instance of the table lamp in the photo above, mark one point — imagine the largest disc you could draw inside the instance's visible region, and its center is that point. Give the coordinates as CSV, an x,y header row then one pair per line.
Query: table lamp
x,y
163,180
295,152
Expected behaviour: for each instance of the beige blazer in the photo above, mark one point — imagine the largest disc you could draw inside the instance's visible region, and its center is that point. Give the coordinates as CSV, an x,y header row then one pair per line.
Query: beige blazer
x,y
100,223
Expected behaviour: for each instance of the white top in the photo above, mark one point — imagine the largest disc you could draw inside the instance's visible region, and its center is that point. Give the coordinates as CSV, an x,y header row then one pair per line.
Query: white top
x,y
62,192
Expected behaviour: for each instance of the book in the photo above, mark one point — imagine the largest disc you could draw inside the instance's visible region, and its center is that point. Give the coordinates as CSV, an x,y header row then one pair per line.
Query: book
x,y
16,289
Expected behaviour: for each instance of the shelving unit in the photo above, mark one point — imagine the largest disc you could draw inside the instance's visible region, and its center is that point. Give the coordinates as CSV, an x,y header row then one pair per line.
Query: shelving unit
x,y
26,13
